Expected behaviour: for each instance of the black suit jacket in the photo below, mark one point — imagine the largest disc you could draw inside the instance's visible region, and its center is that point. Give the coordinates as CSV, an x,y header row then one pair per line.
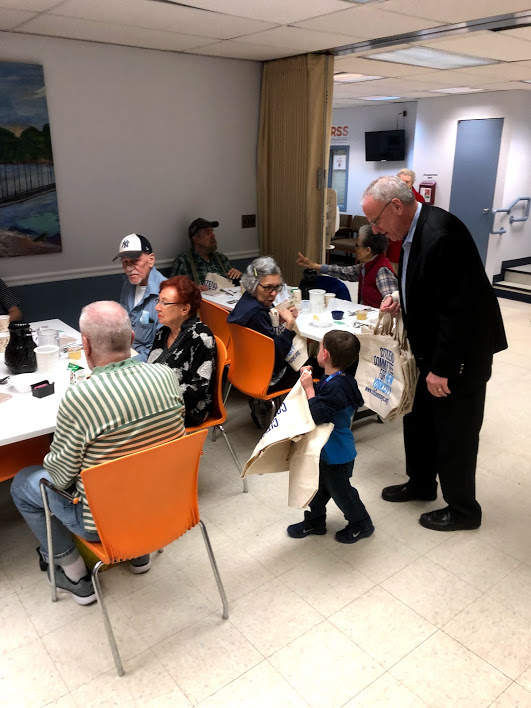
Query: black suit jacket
x,y
453,319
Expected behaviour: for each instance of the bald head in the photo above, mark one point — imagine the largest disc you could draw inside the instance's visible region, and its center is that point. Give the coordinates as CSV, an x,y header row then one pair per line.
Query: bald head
x,y
106,331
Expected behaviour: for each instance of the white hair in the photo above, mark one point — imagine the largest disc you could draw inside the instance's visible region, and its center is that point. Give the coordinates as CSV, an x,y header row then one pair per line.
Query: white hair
x,y
384,189
258,269
407,173
107,327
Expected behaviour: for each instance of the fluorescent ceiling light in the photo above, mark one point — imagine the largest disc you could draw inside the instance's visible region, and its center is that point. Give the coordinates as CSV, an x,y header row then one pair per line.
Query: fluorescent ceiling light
x,y
343,77
457,89
379,98
526,81
431,58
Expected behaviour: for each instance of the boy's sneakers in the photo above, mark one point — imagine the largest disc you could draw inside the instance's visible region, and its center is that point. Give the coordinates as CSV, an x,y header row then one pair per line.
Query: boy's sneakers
x,y
352,534
82,592
301,530
140,565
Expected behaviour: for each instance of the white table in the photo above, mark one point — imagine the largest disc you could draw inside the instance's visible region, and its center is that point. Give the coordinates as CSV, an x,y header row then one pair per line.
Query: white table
x,y
23,416
228,299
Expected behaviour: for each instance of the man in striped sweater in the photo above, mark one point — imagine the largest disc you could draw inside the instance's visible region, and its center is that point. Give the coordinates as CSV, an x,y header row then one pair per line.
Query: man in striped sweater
x,y
123,407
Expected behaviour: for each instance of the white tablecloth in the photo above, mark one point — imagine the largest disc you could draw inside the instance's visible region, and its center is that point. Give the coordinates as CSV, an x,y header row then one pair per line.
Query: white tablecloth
x,y
23,416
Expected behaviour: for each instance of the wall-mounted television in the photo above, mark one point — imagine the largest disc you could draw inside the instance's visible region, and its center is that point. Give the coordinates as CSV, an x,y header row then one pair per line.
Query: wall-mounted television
x,y
389,145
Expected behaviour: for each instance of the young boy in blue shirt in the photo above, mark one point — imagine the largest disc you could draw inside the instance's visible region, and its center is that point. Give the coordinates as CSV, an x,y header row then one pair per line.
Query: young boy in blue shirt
x,y
334,399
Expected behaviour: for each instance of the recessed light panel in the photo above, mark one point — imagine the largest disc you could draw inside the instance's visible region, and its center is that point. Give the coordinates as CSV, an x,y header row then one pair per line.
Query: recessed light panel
x,y
379,98
431,58
457,89
343,77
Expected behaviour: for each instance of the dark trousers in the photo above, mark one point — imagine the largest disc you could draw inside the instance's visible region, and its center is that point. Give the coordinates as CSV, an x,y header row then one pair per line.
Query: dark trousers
x,y
334,483
441,437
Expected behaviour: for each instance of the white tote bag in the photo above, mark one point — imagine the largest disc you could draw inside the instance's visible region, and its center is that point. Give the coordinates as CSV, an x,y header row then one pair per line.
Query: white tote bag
x,y
387,372
292,443
298,353
213,281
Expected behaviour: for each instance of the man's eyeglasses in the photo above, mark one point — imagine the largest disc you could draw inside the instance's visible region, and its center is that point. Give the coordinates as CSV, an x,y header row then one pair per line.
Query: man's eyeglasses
x,y
271,288
375,221
164,303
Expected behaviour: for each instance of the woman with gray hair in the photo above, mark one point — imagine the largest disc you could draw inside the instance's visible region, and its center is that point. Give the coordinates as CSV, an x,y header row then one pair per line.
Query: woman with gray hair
x,y
262,282
374,273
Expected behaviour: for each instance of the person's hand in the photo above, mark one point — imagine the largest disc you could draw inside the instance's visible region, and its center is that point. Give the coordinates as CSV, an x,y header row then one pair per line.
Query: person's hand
x,y
389,305
202,288
294,311
234,274
437,385
306,262
287,317
306,378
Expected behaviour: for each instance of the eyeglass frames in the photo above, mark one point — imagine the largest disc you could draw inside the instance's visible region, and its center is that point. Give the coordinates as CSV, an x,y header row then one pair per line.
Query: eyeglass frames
x,y
164,303
271,288
375,221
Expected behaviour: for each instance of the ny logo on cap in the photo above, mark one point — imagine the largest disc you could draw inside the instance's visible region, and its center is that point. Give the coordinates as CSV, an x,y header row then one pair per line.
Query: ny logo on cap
x,y
125,243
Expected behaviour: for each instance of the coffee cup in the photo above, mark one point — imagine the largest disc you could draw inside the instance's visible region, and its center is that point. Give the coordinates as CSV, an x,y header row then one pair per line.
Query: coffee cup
x,y
337,315
47,357
4,323
4,339
328,299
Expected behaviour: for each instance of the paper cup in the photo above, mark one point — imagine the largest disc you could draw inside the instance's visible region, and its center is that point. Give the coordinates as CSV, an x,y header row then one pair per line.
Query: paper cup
x,y
328,299
317,300
4,339
47,357
4,323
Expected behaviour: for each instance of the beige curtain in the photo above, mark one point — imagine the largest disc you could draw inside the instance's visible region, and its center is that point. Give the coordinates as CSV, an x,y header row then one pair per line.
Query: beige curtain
x,y
293,147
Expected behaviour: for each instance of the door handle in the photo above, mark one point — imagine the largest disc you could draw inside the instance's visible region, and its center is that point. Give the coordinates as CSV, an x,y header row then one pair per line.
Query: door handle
x,y
486,211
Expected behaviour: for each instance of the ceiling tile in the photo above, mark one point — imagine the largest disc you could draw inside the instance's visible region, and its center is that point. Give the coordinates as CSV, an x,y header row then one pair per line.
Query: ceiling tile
x,y
360,65
509,86
35,5
298,38
513,71
163,16
486,44
456,10
452,78
282,12
519,33
244,50
73,28
368,21
9,19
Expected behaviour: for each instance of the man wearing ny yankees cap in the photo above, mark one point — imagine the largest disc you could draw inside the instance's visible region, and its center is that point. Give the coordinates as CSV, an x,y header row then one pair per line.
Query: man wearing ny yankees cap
x,y
140,290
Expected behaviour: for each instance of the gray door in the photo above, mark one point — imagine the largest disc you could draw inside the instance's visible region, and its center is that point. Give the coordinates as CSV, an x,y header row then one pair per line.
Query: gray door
x,y
477,150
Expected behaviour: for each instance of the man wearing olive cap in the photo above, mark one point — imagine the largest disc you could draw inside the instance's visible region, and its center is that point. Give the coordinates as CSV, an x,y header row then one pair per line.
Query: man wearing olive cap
x,y
202,257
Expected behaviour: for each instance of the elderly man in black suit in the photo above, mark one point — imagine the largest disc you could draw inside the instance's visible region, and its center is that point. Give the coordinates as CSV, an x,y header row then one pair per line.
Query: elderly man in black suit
x,y
454,326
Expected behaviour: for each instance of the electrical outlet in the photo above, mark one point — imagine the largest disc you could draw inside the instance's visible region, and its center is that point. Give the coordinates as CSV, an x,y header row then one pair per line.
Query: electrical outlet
x,y
404,113
248,221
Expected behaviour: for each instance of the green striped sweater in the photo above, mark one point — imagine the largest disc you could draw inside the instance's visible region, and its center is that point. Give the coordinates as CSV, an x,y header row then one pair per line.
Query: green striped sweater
x,y
121,408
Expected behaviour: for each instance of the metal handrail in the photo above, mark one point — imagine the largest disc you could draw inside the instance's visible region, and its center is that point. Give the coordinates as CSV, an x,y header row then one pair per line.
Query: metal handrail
x,y
512,219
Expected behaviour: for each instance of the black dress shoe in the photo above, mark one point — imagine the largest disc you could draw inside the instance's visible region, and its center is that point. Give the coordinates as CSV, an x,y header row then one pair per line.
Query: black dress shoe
x,y
404,493
447,520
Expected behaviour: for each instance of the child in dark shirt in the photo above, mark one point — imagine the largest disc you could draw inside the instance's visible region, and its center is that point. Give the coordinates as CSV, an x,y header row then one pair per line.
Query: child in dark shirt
x,y
335,399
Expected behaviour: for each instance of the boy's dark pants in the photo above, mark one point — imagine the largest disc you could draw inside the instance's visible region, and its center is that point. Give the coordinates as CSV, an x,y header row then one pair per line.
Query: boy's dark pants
x,y
334,483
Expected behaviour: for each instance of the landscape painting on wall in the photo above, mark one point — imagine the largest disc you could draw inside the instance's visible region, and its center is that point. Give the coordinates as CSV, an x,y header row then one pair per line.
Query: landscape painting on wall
x,y
29,217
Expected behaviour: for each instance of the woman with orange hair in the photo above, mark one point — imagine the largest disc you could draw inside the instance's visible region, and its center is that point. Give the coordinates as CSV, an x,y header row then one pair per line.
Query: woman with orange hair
x,y
186,345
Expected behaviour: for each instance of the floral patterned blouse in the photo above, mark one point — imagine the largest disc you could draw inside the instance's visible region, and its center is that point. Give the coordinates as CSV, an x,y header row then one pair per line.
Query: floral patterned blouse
x,y
192,356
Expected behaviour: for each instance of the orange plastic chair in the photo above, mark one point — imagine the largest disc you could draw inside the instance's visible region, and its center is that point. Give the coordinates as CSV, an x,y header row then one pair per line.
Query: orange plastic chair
x,y
219,414
252,364
137,512
215,317
21,454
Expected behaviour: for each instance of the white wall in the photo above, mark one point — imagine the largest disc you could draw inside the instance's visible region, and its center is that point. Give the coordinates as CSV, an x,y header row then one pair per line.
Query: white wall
x,y
362,119
143,141
435,140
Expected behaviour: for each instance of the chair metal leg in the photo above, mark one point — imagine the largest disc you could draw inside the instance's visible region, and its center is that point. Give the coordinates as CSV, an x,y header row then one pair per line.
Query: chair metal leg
x,y
227,393
215,570
49,536
214,433
234,457
106,620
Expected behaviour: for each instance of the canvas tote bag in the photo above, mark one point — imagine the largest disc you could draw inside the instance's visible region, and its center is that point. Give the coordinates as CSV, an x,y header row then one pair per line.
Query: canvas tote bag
x,y
292,443
298,353
387,372
213,281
